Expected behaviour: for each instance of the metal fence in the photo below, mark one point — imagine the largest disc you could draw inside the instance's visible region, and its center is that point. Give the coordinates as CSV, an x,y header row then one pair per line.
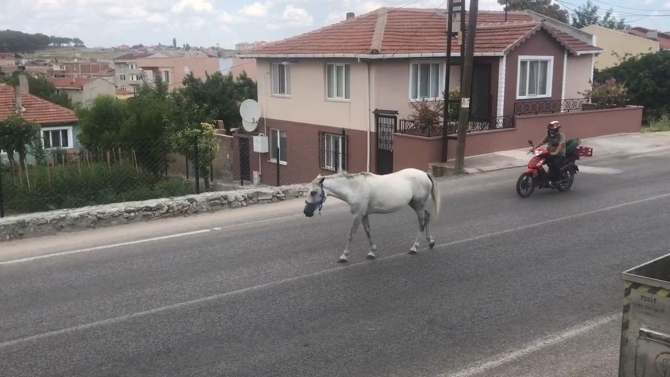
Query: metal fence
x,y
409,127
548,106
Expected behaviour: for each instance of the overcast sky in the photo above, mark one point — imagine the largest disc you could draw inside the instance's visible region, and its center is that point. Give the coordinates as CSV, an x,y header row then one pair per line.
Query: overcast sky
x,y
208,22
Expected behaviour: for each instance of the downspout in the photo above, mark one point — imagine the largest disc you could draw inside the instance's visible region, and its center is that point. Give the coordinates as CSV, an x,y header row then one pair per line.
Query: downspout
x,y
367,70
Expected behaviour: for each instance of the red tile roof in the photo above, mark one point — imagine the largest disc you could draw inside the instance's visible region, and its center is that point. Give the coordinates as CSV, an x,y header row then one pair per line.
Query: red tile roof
x,y
398,31
37,110
69,83
663,38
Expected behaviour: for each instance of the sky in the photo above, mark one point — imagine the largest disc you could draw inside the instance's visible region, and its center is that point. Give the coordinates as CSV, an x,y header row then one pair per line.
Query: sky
x,y
227,22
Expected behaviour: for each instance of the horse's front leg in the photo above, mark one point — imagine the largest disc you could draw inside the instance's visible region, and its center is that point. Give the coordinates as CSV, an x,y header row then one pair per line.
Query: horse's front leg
x,y
354,227
373,247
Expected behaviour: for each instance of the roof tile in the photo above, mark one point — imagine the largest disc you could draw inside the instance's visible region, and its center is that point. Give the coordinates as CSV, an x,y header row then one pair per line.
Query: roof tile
x,y
69,83
412,30
37,110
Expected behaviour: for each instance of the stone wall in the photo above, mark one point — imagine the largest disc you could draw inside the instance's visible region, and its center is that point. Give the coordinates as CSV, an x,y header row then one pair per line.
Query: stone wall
x,y
70,220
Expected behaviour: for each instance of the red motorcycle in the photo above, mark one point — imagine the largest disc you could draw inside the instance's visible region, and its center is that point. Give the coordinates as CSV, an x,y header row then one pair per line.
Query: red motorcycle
x,y
535,174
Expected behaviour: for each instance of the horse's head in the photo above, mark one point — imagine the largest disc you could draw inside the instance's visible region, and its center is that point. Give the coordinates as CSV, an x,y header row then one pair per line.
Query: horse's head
x,y
315,197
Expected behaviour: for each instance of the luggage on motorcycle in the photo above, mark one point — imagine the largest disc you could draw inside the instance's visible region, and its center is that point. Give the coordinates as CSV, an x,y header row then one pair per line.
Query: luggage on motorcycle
x,y
571,145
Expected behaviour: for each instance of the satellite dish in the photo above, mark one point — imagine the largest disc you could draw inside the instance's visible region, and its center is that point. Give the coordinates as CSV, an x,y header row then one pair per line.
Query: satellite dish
x,y
187,70
250,111
249,126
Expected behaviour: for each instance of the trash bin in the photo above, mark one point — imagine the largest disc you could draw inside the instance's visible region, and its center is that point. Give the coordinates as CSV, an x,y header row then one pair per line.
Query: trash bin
x,y
645,328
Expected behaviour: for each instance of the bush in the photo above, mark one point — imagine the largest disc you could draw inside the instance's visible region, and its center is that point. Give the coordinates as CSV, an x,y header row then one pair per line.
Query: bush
x,y
659,124
72,185
431,113
607,95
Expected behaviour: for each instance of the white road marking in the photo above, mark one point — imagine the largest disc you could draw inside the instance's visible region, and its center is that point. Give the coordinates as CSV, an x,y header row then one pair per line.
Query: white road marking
x,y
300,277
185,234
499,360
598,170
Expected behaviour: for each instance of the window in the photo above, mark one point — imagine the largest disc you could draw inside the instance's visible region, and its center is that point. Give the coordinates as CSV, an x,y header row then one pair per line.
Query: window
x,y
426,81
57,138
338,78
534,76
166,77
123,87
281,79
122,77
333,151
278,138
133,65
122,66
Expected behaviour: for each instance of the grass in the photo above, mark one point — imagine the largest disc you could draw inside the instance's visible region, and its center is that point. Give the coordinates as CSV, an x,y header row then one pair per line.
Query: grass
x,y
659,125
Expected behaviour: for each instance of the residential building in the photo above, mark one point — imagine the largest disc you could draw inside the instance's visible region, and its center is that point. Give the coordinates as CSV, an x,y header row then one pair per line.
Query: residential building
x,y
237,66
173,70
655,35
341,97
59,125
7,60
84,91
128,74
246,46
86,69
616,44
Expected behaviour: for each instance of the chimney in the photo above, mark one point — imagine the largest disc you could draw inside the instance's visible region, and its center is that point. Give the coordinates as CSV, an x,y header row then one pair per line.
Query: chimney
x,y
17,99
652,34
23,84
350,15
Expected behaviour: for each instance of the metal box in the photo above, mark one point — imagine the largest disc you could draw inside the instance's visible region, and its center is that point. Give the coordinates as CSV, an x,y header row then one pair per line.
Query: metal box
x,y
645,329
260,144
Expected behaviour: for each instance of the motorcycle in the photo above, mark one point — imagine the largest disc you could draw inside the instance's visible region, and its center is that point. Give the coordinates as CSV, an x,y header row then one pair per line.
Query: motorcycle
x,y
535,174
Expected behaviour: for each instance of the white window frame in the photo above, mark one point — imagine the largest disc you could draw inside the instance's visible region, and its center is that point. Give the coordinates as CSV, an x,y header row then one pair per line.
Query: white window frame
x,y
70,137
166,77
441,72
333,140
278,132
345,95
274,74
122,77
132,66
550,76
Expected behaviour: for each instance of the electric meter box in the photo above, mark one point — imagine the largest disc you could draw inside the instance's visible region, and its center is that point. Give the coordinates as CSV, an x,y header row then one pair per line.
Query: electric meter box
x,y
260,144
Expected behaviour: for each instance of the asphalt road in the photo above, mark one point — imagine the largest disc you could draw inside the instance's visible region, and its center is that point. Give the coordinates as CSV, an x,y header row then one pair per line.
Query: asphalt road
x,y
511,284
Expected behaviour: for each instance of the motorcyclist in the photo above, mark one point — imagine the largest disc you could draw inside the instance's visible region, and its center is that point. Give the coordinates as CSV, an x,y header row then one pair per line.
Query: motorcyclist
x,y
555,141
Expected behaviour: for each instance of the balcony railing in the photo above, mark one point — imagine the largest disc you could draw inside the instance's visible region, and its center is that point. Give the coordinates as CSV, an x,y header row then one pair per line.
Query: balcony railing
x,y
409,127
549,106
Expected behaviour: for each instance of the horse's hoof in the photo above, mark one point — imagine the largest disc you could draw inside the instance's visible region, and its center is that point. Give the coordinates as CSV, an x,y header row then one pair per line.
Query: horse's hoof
x,y
412,252
370,257
432,244
341,260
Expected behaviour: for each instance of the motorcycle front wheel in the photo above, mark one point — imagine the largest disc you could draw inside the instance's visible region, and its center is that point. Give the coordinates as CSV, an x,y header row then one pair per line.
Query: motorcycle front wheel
x,y
525,185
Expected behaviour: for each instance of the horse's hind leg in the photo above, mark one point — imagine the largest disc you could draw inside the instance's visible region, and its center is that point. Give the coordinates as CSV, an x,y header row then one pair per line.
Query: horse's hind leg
x,y
429,237
373,247
421,215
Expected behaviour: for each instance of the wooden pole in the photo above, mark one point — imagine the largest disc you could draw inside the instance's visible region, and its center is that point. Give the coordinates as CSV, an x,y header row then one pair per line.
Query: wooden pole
x,y
467,85
109,162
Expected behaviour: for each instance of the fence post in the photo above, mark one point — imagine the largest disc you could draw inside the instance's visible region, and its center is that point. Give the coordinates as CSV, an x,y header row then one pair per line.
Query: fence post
x,y
2,197
196,165
278,159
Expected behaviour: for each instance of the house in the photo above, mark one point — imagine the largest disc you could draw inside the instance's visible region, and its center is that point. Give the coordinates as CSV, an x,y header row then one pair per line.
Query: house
x,y
174,70
128,75
617,43
59,125
89,69
340,97
7,60
654,35
84,91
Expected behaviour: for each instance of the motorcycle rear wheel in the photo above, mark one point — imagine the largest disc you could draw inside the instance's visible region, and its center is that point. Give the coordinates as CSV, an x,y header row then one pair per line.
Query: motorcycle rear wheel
x,y
567,179
525,185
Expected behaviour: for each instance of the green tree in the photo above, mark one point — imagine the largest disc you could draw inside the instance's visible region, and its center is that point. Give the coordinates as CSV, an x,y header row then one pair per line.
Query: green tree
x,y
145,129
647,79
16,135
41,87
204,135
101,123
588,14
545,7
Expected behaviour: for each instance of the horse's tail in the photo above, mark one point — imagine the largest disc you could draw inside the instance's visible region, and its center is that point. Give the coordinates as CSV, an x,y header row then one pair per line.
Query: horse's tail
x,y
435,194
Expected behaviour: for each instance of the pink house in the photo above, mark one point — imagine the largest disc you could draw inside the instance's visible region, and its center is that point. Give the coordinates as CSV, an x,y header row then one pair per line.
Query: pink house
x,y
340,97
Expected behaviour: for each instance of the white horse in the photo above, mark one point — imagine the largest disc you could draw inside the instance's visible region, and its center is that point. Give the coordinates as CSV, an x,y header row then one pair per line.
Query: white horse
x,y
368,193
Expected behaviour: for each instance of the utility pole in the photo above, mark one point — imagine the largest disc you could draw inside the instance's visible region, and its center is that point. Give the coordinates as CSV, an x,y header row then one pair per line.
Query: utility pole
x,y
466,88
455,14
